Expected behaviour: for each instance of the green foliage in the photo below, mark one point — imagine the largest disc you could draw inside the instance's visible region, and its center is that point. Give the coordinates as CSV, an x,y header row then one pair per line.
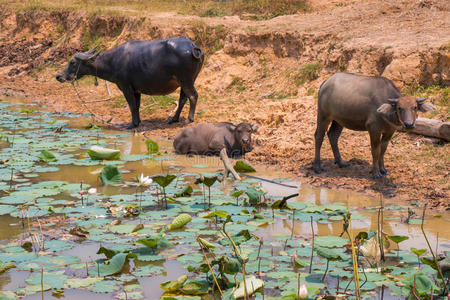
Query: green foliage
x,y
109,253
112,266
187,191
329,254
4,267
47,156
397,238
242,166
420,283
100,153
152,146
307,72
110,175
154,242
174,285
195,288
179,222
418,252
164,181
254,195
206,244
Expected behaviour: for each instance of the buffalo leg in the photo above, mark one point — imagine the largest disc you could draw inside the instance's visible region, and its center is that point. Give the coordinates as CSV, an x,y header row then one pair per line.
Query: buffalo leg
x,y
181,103
192,94
137,96
375,145
385,138
322,125
333,135
130,96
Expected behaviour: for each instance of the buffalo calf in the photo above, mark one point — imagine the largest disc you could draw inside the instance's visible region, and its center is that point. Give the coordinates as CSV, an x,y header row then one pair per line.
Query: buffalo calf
x,y
210,139
364,103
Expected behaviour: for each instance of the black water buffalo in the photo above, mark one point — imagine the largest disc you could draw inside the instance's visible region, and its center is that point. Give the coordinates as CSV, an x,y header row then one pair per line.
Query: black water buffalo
x,y
209,139
144,67
363,103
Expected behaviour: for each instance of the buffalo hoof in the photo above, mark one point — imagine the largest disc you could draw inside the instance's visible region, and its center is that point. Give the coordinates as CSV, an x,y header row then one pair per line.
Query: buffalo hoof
x,y
132,126
384,171
173,120
377,175
318,170
342,164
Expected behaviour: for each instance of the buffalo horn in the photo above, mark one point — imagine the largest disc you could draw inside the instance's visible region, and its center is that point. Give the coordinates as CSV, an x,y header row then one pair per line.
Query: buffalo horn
x,y
393,101
420,100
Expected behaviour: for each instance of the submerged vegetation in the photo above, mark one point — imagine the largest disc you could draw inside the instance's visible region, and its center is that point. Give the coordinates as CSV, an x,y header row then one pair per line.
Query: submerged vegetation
x,y
216,234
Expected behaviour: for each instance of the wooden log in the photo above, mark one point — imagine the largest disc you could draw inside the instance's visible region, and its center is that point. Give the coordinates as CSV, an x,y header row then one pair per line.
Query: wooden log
x,y
227,164
433,128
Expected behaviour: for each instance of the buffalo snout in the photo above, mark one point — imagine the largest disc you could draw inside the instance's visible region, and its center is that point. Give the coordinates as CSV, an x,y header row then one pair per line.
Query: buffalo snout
x,y
409,125
60,78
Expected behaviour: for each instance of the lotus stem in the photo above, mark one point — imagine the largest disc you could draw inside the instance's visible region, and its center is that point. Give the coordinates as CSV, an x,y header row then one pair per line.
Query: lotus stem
x,y
293,223
326,270
209,197
239,256
210,268
354,258
432,253
312,247
42,283
380,228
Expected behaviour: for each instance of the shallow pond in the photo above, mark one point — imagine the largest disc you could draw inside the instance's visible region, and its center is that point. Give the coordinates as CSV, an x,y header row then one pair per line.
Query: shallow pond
x,y
41,206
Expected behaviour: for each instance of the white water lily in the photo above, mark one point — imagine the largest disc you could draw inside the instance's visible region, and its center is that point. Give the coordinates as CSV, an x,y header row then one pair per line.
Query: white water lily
x,y
303,293
145,180
92,191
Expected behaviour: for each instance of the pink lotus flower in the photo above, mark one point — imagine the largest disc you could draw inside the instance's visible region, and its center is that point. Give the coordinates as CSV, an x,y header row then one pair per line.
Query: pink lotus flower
x,y
303,293
92,191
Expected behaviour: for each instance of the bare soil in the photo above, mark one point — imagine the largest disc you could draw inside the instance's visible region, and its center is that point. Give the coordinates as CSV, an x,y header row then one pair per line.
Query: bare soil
x,y
267,72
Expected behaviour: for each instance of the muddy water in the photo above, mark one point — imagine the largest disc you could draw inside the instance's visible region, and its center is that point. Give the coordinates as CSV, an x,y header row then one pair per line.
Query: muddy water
x,y
437,228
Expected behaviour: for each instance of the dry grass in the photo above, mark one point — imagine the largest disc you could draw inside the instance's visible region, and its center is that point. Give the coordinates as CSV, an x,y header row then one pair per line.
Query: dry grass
x,y
252,9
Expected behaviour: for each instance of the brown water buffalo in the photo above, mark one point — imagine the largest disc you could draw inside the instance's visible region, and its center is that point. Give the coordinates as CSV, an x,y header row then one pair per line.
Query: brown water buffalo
x,y
363,103
209,139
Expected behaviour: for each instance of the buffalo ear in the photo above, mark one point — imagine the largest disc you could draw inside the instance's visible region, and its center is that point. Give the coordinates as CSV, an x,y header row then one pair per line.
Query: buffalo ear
x,y
254,128
386,109
426,106
231,127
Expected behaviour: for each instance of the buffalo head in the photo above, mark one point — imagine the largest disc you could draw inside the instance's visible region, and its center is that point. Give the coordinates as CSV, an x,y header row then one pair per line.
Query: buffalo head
x,y
79,65
403,110
243,134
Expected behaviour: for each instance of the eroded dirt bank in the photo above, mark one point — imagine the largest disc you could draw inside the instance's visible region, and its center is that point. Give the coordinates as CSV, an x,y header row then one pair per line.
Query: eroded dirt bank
x,y
266,72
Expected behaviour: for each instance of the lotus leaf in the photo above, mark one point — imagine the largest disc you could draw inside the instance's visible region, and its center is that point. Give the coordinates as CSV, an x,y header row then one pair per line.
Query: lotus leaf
x,y
100,153
76,283
152,146
195,288
252,284
110,175
206,244
174,285
56,280
330,241
110,267
242,166
106,286
4,267
47,156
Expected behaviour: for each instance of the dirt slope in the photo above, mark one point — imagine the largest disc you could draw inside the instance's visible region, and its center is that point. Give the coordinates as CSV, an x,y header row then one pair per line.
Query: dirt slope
x,y
267,72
